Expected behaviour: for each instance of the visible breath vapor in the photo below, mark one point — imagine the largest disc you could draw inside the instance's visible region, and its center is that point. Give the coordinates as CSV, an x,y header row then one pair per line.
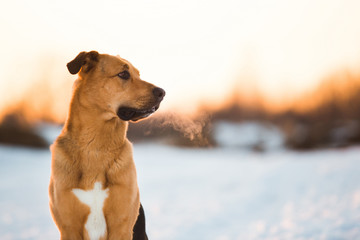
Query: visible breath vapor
x,y
191,129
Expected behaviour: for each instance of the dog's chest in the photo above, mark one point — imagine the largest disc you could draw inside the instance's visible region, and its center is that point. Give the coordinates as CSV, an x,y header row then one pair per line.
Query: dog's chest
x,y
94,199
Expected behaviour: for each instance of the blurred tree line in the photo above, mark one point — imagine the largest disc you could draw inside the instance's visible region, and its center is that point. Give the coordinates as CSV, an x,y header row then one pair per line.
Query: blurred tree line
x,y
328,116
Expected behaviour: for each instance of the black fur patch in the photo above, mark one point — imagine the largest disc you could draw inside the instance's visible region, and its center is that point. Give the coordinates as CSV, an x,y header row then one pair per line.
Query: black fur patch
x,y
139,231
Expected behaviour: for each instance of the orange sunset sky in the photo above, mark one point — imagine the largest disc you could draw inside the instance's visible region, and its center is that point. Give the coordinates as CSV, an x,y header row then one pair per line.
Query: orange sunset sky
x,y
198,51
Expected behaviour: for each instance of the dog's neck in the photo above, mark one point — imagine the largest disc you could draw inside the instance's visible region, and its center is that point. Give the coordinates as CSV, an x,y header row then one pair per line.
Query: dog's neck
x,y
104,131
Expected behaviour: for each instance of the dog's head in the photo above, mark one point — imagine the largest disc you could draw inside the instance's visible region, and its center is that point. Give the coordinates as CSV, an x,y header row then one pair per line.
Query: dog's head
x,y
114,85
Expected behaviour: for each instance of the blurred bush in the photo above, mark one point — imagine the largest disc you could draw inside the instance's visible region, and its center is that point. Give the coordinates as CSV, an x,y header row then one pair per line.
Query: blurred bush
x,y
15,130
329,116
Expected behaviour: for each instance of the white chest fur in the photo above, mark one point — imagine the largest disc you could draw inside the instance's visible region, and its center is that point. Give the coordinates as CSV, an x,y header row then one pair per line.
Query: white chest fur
x,y
95,198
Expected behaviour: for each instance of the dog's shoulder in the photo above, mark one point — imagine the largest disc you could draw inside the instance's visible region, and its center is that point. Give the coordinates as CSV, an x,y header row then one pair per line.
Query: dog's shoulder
x,y
65,168
63,145
63,152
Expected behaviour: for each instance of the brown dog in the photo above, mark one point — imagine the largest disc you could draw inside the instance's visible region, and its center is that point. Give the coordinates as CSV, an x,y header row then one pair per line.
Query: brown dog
x,y
93,187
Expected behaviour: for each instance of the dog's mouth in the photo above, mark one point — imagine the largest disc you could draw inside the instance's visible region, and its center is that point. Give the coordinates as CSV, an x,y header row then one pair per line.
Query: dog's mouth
x,y
132,114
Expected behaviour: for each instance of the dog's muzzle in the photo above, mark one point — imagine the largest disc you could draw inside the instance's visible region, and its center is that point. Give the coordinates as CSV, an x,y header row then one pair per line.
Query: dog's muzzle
x,y
133,114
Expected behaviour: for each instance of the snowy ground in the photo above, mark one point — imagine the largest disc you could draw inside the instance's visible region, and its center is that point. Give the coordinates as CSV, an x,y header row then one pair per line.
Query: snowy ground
x,y
221,194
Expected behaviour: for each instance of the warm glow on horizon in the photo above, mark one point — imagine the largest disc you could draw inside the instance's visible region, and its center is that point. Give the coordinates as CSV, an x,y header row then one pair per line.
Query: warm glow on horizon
x,y
200,52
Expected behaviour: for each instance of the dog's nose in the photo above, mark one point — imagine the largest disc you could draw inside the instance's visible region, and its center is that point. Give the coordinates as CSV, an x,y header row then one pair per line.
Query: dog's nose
x,y
159,93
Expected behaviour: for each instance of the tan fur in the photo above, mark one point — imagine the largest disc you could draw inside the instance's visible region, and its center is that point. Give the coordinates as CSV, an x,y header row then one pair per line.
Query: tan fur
x,y
93,147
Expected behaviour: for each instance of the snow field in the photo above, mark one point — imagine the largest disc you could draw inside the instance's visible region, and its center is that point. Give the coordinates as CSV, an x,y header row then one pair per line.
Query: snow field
x,y
207,194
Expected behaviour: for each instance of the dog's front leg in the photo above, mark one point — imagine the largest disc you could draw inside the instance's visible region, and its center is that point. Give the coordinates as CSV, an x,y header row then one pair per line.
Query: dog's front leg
x,y
70,235
120,220
67,231
120,229
69,215
120,236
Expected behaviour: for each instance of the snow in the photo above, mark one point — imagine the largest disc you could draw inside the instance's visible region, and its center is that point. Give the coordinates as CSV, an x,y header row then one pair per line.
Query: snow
x,y
212,194
254,135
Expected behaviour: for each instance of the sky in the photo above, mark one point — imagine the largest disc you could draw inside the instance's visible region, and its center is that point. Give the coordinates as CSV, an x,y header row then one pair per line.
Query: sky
x,y
198,51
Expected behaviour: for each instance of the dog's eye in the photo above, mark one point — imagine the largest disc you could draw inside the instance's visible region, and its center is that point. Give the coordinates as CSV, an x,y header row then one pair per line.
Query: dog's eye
x,y
124,75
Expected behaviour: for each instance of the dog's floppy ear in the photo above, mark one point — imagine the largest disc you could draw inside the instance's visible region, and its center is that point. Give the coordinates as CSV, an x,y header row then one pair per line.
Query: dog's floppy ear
x,y
87,60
